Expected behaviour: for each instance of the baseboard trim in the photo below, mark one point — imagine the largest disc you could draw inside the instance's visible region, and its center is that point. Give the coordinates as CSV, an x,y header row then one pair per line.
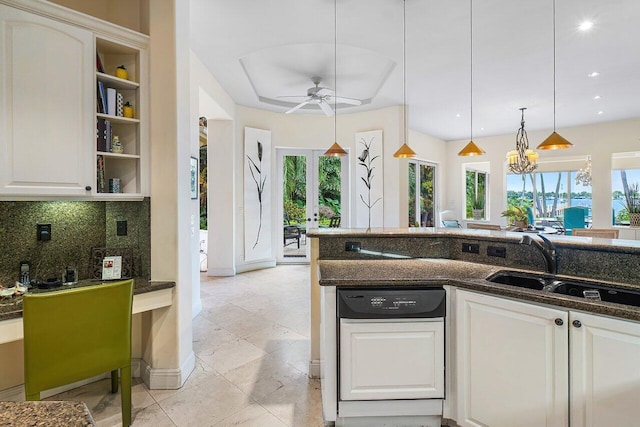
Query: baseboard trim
x,y
256,265
196,309
314,368
221,272
16,393
167,379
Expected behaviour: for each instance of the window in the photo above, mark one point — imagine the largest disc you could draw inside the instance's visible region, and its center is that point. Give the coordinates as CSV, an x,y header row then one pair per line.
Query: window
x,y
476,193
548,193
421,194
623,182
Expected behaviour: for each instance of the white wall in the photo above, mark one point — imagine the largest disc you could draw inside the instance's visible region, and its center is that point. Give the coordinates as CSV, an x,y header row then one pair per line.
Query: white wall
x,y
598,140
317,131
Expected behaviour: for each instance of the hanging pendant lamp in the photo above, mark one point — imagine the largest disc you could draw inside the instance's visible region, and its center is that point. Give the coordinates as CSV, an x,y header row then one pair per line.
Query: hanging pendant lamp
x,y
522,160
335,150
554,141
471,149
404,151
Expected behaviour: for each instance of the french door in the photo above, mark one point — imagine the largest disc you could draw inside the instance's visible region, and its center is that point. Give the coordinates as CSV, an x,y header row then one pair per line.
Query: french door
x,y
312,193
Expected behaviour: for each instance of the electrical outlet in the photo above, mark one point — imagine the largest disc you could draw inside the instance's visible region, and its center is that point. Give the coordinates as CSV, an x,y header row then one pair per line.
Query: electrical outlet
x,y
497,251
121,228
352,247
472,248
43,232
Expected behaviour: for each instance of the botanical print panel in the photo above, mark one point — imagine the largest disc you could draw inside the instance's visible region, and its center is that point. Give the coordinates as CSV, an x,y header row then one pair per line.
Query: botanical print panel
x,y
369,179
257,194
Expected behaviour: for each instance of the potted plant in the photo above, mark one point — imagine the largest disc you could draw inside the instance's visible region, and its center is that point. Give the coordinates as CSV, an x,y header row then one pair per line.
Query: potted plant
x,y
633,204
478,206
517,215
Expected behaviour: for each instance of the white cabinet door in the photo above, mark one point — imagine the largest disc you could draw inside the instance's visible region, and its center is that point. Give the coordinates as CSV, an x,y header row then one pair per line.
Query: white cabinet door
x,y
391,359
46,105
512,363
605,371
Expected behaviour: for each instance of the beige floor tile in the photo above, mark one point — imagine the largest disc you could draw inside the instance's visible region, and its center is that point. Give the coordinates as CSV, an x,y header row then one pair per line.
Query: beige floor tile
x,y
105,407
200,375
296,404
295,354
230,356
205,405
208,335
252,416
263,376
152,416
274,338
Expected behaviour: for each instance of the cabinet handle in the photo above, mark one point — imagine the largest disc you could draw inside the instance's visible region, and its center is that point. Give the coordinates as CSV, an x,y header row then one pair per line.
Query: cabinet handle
x,y
88,188
559,322
577,323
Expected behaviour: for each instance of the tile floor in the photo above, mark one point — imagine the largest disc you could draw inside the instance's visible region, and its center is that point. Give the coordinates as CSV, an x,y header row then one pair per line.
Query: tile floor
x,y
251,342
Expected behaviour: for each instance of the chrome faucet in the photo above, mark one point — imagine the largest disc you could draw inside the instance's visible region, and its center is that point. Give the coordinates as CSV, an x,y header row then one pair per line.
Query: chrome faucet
x,y
547,250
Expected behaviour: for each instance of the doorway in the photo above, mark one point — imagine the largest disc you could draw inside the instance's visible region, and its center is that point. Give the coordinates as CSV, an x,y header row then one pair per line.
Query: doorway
x,y
313,194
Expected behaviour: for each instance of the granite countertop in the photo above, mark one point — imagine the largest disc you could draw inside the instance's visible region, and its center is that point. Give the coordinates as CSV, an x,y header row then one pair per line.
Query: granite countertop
x,y
45,413
11,308
461,274
578,242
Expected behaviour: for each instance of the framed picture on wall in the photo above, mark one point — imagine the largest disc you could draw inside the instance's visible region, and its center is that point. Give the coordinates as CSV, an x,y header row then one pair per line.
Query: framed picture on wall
x,y
194,178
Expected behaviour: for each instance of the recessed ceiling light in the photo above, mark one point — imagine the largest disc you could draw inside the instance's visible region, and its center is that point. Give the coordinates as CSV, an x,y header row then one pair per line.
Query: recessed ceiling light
x,y
594,74
481,128
458,115
585,26
596,97
600,112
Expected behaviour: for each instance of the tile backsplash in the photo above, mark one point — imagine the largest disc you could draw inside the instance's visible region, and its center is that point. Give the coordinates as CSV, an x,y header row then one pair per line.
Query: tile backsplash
x,y
76,227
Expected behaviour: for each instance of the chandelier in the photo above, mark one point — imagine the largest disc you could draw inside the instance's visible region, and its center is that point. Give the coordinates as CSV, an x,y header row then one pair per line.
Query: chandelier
x,y
522,160
583,176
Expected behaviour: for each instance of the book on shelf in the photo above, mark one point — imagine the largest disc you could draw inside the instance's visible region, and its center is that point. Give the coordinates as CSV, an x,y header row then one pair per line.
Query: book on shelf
x,y
100,180
108,136
119,104
99,66
111,101
101,134
102,99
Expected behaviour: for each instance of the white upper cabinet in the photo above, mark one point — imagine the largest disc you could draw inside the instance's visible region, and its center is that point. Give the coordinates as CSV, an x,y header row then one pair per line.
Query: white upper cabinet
x,y
46,105
49,105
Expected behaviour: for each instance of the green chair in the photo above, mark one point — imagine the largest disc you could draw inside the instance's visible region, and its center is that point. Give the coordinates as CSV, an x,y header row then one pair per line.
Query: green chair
x,y
76,334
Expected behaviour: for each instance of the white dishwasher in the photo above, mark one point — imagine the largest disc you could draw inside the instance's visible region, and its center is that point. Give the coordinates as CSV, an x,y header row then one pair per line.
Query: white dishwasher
x,y
390,355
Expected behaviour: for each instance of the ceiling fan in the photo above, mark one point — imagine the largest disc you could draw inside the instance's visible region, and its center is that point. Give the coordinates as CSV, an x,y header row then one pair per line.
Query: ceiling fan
x,y
321,96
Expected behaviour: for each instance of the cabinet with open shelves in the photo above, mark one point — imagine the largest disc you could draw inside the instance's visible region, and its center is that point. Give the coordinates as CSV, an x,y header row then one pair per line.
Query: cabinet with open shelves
x,y
126,166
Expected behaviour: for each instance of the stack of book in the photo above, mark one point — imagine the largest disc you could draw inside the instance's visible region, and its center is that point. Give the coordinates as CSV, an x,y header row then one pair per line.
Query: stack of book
x,y
100,179
103,135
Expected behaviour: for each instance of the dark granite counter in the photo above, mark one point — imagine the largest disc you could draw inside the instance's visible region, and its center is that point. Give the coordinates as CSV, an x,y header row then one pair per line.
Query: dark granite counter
x,y
461,274
11,308
54,413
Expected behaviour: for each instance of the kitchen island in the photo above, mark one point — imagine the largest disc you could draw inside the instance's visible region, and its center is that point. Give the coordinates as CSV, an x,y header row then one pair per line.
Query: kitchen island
x,y
511,364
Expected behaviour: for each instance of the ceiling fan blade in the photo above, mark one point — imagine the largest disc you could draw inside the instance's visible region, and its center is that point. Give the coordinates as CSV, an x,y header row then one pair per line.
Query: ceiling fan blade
x,y
300,97
326,108
350,101
324,91
297,107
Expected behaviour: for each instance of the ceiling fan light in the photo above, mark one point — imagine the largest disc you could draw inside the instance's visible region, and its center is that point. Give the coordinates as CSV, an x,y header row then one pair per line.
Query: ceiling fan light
x,y
554,142
471,149
404,152
335,151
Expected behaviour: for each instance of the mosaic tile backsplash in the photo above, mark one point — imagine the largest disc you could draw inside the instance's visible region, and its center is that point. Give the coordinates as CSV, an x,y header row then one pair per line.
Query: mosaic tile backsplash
x,y
76,227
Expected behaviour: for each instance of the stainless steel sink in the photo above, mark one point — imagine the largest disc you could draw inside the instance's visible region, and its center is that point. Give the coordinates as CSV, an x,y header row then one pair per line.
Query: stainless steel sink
x,y
576,288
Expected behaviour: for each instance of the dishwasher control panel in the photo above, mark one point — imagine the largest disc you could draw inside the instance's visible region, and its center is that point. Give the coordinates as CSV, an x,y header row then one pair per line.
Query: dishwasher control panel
x,y
376,303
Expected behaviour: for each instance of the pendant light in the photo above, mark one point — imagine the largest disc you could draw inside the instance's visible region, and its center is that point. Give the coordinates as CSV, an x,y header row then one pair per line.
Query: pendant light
x,y
471,149
404,151
554,141
335,150
522,160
